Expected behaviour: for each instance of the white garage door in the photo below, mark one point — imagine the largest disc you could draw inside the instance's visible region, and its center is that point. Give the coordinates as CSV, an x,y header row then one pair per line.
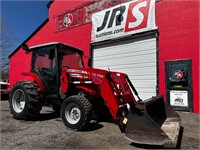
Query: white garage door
x,y
135,57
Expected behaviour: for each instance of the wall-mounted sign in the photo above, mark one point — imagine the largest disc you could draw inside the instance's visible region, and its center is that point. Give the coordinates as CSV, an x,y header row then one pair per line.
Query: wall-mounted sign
x,y
68,20
124,19
179,98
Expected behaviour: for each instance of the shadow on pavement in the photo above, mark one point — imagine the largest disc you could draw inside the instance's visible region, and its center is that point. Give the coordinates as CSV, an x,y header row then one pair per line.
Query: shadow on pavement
x,y
144,146
48,116
4,97
92,126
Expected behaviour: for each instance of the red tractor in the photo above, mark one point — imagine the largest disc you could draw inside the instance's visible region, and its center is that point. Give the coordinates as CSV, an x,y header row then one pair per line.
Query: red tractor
x,y
60,80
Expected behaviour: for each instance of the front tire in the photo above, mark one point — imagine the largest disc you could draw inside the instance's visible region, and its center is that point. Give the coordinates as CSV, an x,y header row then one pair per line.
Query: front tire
x,y
24,100
76,112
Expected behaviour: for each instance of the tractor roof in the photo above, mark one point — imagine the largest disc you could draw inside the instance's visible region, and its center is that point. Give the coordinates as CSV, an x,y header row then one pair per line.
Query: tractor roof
x,y
57,44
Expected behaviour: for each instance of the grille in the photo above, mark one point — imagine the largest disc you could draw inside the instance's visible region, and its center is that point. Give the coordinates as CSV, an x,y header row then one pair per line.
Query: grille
x,y
4,86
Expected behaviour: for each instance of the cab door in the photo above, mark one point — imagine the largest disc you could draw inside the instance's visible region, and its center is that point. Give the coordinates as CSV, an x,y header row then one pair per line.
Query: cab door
x,y
46,68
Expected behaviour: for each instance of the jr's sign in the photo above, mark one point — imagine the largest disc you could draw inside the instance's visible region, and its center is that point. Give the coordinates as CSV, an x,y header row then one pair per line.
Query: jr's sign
x,y
128,18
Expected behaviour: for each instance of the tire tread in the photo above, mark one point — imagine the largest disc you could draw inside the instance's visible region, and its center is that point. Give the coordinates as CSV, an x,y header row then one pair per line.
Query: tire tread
x,y
32,106
87,111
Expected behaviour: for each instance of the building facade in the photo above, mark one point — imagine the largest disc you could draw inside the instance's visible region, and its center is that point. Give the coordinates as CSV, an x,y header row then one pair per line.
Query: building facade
x,y
155,42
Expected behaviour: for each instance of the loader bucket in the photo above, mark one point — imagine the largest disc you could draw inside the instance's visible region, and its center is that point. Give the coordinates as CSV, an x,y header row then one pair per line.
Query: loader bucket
x,y
153,122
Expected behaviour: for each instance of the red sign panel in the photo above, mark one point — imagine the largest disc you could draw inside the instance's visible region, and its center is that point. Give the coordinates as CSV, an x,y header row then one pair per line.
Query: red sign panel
x,y
70,20
137,16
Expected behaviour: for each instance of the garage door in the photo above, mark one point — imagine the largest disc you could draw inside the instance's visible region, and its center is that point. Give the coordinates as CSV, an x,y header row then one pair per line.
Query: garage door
x,y
135,57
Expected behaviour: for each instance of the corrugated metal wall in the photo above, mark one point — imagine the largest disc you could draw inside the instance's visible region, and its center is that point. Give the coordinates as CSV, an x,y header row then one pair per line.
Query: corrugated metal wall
x,y
136,57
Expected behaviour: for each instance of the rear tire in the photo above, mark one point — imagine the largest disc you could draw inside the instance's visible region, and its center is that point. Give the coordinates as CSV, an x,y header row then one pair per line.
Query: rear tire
x,y
24,100
76,112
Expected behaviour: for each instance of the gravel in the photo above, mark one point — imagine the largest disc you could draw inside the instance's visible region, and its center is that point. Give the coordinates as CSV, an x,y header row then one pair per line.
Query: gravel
x,y
49,132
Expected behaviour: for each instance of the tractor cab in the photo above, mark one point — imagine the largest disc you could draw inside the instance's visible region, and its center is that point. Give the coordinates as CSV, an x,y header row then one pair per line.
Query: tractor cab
x,y
48,61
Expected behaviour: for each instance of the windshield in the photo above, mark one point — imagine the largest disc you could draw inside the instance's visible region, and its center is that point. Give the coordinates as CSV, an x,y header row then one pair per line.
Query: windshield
x,y
69,58
45,58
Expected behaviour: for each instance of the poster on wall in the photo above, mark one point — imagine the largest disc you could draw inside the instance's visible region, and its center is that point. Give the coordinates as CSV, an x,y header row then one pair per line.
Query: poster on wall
x,y
128,18
179,98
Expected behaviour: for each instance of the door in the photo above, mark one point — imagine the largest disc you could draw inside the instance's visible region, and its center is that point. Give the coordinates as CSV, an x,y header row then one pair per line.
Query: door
x,y
136,57
179,84
44,65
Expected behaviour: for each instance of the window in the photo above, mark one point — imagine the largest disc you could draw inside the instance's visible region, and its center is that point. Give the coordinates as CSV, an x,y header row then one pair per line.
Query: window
x,y
44,59
69,58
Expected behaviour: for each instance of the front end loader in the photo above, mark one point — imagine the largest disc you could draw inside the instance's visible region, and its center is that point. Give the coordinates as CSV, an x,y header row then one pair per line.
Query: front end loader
x,y
149,121
59,79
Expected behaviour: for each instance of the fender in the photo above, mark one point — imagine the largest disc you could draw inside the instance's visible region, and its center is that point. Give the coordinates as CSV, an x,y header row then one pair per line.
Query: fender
x,y
64,81
36,79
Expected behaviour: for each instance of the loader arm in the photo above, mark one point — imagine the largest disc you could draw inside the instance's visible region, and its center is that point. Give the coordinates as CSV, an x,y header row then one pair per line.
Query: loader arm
x,y
116,93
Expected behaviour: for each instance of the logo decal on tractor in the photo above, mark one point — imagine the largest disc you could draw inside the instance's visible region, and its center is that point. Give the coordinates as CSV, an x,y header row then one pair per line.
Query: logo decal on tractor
x,y
68,20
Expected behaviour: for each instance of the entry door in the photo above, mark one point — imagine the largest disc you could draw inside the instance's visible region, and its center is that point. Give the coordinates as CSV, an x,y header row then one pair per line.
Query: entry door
x,y
179,84
136,57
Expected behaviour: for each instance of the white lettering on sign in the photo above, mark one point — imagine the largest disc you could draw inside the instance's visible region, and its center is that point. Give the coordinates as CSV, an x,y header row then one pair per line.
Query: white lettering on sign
x,y
128,18
138,15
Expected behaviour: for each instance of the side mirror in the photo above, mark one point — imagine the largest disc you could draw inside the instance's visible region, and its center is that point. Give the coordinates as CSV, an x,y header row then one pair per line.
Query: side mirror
x,y
25,47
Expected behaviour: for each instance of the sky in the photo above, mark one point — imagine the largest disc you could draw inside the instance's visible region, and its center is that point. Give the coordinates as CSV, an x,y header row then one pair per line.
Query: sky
x,y
23,17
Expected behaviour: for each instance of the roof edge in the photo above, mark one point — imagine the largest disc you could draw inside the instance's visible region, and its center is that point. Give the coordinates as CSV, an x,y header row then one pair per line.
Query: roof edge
x,y
38,29
49,4
56,43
